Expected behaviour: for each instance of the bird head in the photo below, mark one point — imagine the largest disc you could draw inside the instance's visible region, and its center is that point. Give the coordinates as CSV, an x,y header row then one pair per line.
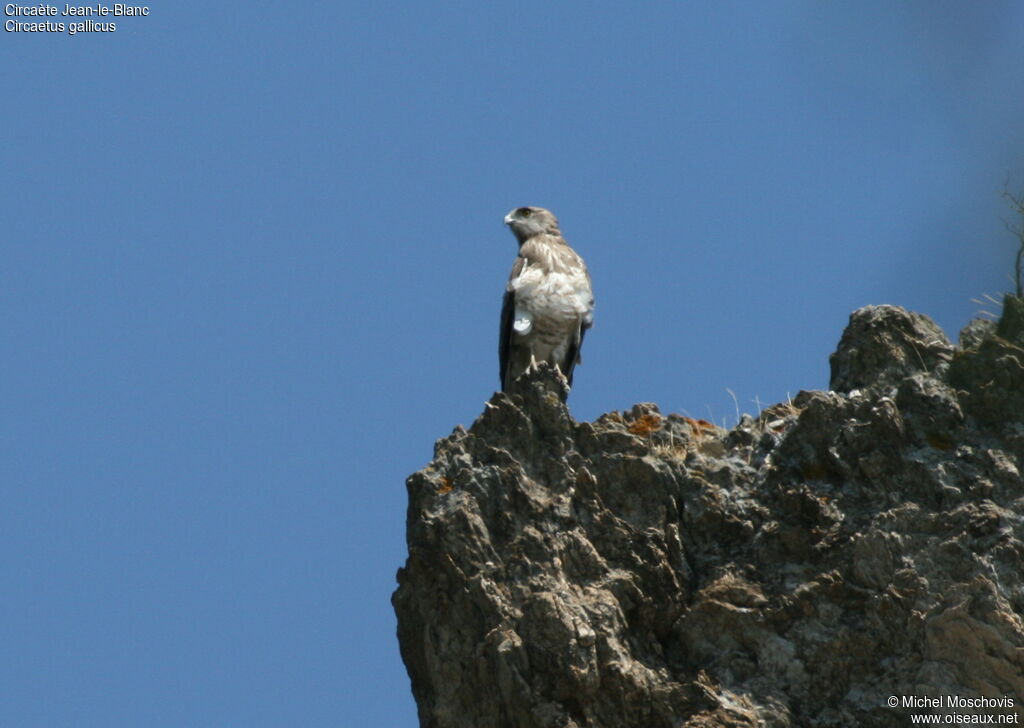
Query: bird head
x,y
529,221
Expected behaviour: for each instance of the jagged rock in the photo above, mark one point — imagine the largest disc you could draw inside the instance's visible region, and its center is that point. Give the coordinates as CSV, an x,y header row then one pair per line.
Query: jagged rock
x,y
883,344
990,372
975,332
1011,323
798,570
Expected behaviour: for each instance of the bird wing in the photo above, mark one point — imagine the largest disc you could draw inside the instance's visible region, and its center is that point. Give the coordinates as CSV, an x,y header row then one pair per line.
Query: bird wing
x,y
508,310
572,355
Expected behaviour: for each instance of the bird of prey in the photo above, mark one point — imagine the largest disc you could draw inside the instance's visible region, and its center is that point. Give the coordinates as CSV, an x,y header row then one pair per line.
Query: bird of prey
x,y
548,303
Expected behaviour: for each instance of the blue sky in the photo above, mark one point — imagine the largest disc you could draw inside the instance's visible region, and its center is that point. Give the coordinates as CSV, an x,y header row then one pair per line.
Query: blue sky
x,y
253,264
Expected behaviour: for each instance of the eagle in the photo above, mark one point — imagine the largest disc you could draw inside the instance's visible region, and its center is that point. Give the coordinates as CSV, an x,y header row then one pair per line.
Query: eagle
x,y
548,304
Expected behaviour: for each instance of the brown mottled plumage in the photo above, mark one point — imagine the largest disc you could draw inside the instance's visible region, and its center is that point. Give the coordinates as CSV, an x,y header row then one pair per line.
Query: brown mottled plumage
x,y
548,302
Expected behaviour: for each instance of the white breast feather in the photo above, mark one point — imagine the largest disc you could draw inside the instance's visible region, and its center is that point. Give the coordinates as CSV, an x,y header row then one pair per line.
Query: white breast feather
x,y
555,295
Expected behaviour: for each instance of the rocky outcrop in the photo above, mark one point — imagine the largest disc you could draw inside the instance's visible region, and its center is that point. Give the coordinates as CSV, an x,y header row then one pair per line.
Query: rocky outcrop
x,y
806,568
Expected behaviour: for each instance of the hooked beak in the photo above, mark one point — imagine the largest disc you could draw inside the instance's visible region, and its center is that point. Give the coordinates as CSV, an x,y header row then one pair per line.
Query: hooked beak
x,y
508,219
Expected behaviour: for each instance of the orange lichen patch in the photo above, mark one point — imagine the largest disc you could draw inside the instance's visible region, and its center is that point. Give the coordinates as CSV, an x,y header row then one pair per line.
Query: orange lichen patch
x,y
644,425
699,427
446,485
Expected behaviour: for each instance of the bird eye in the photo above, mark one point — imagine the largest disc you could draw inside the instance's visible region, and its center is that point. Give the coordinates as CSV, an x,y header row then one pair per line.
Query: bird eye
x,y
525,212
